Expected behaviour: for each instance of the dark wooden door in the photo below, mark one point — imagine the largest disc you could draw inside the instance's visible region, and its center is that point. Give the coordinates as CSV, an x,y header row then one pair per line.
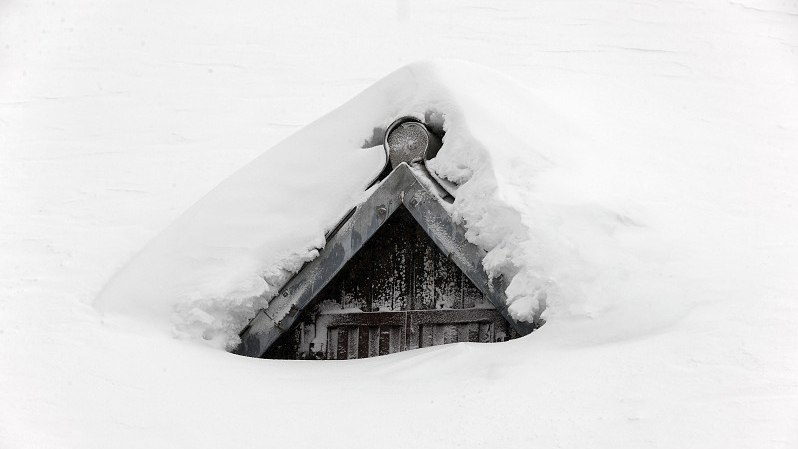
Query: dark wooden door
x,y
398,292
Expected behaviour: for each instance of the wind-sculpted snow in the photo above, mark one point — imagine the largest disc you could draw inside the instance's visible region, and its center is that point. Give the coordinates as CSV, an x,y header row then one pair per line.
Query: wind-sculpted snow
x,y
657,214
513,158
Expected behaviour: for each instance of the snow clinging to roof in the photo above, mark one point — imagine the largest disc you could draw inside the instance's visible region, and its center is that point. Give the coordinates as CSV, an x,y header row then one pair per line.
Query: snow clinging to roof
x,y
527,195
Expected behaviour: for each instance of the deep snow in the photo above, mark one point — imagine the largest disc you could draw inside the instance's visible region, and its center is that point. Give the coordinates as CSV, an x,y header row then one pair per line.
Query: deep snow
x,y
524,196
674,192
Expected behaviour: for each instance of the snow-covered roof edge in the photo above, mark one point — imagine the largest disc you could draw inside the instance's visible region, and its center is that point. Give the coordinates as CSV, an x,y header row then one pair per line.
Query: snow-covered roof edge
x,y
208,273
403,187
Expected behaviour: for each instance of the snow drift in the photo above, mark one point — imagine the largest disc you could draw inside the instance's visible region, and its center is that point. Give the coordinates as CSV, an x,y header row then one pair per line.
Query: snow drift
x,y
672,217
529,194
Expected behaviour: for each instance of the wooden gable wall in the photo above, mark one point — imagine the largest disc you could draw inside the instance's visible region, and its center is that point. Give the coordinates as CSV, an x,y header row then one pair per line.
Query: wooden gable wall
x,y
398,292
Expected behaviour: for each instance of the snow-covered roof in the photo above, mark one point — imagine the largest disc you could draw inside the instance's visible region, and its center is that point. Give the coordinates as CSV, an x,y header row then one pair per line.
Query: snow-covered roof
x,y
671,220
214,267
408,186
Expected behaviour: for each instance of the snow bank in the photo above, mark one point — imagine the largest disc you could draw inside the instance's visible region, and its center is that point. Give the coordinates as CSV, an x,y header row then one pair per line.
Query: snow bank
x,y
529,194
110,125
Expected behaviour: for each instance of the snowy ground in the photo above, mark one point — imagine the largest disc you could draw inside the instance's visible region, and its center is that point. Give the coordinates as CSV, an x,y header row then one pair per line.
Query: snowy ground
x,y
114,119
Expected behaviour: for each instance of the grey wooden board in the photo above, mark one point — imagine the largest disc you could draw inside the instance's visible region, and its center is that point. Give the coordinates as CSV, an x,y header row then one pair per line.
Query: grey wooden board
x,y
352,335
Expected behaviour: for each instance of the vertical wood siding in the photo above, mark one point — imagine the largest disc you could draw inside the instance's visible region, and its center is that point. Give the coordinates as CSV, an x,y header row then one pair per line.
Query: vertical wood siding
x,y
396,276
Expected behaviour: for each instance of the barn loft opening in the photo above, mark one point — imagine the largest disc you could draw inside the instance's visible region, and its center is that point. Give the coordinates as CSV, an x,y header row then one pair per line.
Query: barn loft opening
x,y
396,274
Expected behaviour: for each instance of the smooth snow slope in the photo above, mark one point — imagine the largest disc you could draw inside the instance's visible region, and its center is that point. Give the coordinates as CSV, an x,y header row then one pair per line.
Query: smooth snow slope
x,y
527,195
114,119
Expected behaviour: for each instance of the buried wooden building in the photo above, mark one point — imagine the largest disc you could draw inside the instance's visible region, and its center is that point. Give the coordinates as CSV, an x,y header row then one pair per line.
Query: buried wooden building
x,y
396,274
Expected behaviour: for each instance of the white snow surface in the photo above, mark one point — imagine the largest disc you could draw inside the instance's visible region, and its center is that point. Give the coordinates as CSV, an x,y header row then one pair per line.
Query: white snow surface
x,y
522,198
633,160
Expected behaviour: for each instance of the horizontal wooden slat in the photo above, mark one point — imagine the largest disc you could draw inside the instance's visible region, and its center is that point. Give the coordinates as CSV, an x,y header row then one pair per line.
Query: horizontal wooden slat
x,y
453,316
368,319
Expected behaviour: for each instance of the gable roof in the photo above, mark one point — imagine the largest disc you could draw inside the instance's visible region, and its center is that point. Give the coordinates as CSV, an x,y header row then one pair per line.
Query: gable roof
x,y
408,186
208,273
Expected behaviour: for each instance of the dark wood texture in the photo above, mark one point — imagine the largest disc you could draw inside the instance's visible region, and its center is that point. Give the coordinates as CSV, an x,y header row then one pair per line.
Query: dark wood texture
x,y
400,269
398,292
